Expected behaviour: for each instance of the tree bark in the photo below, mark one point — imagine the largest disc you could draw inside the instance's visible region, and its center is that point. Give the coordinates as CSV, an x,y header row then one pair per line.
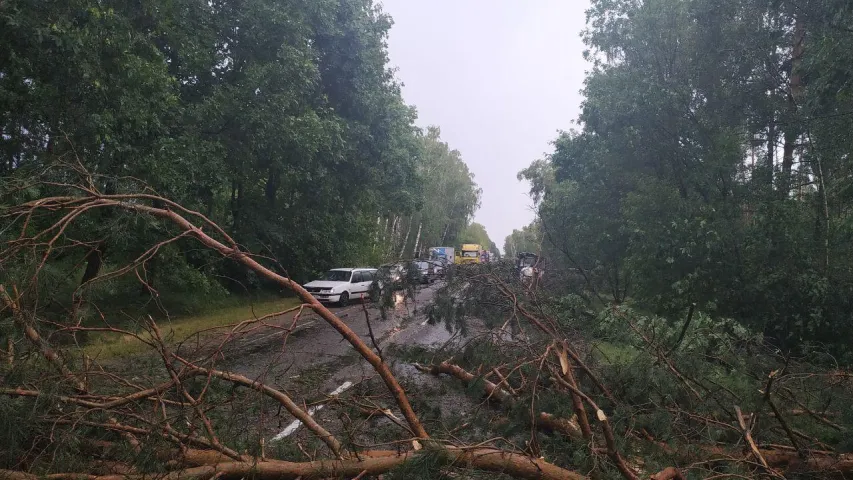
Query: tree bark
x,y
393,233
485,459
770,162
376,234
94,259
418,238
794,96
271,188
406,238
493,390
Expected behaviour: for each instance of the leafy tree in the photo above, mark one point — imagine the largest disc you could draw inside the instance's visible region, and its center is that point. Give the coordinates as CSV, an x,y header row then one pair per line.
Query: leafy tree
x,y
708,169
476,233
528,239
449,199
281,121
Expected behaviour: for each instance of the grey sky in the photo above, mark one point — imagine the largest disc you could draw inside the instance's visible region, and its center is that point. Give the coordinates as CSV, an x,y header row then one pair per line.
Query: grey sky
x,y
499,77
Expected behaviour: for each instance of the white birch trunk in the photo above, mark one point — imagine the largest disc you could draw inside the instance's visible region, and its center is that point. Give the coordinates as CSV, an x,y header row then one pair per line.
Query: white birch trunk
x,y
418,237
405,240
394,237
376,233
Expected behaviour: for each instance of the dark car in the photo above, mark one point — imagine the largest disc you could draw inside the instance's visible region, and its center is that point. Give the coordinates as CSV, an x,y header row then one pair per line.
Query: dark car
x,y
391,275
427,271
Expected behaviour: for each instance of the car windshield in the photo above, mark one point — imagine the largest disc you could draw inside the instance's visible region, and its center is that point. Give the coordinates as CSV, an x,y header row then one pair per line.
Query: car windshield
x,y
528,261
337,276
471,254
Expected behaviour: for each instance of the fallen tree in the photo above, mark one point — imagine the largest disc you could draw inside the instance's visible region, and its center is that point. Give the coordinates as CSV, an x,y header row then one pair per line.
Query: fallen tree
x,y
485,459
178,410
646,411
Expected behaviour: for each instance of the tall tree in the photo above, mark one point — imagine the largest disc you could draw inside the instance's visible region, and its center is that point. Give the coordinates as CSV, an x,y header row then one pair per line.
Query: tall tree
x,y
702,172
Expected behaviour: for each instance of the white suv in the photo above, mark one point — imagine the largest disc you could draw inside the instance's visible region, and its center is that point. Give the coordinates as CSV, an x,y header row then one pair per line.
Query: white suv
x,y
339,285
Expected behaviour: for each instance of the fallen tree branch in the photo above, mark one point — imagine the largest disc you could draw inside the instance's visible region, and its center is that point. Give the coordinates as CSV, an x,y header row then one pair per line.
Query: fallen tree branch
x,y
577,402
609,438
747,436
484,459
669,473
467,378
233,252
291,406
568,427
175,213
683,329
33,336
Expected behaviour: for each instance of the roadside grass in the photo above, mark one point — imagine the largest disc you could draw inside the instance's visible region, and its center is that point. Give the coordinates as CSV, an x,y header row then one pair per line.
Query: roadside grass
x,y
107,345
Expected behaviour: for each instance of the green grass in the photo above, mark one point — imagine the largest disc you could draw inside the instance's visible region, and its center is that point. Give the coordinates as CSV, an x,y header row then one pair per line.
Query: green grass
x,y
112,345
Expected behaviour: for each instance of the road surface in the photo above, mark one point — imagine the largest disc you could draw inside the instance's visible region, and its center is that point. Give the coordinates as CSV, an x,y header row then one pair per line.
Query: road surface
x,y
315,361
312,342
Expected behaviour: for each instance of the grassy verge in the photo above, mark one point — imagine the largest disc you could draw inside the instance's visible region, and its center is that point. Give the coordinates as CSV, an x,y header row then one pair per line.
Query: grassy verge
x,y
112,345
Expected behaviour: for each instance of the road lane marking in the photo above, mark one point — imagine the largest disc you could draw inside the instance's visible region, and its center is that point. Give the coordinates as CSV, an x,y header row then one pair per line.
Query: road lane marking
x,y
294,425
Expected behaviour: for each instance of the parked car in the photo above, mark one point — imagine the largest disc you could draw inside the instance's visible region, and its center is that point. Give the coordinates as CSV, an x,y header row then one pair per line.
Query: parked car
x,y
392,274
340,285
428,271
440,267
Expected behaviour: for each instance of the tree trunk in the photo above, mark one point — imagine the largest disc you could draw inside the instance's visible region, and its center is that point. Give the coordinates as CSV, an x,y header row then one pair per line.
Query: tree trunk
x,y
822,191
94,259
406,238
418,238
271,188
770,162
393,240
376,234
792,130
235,202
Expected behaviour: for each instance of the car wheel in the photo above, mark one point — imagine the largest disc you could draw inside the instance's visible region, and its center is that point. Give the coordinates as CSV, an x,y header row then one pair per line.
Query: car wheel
x,y
344,301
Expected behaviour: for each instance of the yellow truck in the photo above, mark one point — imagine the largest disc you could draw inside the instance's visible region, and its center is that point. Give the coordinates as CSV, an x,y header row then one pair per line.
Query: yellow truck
x,y
469,253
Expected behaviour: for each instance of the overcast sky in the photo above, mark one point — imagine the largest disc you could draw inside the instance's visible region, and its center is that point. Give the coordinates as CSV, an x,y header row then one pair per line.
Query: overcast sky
x,y
500,77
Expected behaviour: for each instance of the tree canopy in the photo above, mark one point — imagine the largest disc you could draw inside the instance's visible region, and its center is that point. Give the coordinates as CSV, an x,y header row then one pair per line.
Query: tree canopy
x,y
281,121
711,164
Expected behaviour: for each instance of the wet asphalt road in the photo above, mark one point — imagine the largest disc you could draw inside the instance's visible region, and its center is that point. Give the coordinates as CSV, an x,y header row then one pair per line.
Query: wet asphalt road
x,y
313,362
313,343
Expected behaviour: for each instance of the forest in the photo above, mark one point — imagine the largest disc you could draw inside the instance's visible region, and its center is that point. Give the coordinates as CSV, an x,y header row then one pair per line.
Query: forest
x,y
687,316
281,121
710,167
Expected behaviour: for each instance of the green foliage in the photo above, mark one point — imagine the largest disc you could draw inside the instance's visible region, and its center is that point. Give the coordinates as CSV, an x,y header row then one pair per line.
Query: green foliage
x,y
710,165
528,239
449,197
280,121
475,233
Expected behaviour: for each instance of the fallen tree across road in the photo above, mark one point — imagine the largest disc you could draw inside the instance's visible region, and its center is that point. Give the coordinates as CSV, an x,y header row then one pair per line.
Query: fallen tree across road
x,y
485,459
646,410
